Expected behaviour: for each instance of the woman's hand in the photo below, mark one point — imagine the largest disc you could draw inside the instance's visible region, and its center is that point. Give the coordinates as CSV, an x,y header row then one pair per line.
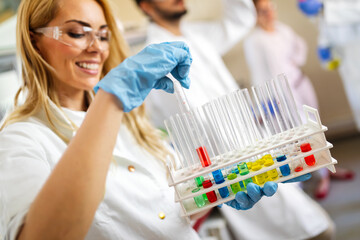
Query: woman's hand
x,y
134,78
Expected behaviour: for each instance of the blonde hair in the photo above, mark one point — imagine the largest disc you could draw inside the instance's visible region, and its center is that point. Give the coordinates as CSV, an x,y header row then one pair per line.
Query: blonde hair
x,y
37,77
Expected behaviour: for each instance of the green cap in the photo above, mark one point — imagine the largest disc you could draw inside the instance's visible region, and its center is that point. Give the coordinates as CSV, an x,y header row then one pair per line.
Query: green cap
x,y
231,176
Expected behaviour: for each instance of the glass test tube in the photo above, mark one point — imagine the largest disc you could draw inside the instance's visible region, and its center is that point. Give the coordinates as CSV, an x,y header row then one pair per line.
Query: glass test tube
x,y
211,196
196,137
288,112
235,187
266,109
219,178
279,106
309,160
244,170
285,169
260,178
272,174
199,200
285,94
247,110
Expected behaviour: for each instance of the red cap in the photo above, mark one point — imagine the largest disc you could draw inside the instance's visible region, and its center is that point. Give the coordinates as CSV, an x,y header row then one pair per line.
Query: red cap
x,y
207,183
305,147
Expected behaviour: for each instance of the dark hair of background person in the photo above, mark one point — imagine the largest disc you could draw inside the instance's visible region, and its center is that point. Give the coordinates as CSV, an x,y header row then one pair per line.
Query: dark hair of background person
x,y
255,1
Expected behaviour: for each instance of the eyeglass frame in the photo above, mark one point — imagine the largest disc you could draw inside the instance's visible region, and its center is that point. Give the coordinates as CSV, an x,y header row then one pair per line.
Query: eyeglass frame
x,y
56,33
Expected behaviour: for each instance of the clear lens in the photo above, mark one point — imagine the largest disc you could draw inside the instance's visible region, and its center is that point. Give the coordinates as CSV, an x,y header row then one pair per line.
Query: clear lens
x,y
79,36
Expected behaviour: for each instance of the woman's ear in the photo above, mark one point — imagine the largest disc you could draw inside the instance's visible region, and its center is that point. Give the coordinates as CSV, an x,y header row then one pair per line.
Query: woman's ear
x,y
34,41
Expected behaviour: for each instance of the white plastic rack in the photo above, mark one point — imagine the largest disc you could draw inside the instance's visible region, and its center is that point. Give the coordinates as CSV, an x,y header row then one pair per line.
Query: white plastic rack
x,y
282,142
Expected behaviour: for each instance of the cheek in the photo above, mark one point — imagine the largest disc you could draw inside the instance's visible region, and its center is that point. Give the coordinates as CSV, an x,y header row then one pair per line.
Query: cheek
x,y
59,55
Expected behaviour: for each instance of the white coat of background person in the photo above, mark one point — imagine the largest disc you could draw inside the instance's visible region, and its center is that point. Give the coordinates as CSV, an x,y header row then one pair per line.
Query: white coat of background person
x,y
339,40
273,48
289,214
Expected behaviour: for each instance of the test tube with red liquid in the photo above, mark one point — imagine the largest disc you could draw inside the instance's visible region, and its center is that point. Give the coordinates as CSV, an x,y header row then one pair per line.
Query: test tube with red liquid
x,y
197,134
309,160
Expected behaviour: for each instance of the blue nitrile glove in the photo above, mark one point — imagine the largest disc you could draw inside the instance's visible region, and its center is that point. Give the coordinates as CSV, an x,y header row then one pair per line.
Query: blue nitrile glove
x,y
327,59
133,79
310,7
245,201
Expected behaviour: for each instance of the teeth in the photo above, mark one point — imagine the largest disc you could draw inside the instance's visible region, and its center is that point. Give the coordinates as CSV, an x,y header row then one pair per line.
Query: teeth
x,y
91,66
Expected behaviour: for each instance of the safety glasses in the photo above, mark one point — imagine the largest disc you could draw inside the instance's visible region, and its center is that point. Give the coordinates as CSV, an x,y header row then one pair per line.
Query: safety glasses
x,y
76,35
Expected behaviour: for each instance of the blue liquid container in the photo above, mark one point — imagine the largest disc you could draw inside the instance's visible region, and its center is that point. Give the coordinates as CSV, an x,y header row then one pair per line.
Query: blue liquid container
x,y
219,178
285,169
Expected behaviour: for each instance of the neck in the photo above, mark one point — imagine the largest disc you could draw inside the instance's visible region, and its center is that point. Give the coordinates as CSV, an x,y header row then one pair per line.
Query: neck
x,y
171,26
267,27
73,100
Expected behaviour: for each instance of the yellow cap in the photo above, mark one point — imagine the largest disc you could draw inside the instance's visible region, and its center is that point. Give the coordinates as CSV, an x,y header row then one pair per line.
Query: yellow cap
x,y
249,164
256,166
269,162
260,161
267,156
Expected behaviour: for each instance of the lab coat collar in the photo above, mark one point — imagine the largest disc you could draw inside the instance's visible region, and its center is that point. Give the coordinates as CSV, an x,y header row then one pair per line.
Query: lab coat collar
x,y
162,33
62,123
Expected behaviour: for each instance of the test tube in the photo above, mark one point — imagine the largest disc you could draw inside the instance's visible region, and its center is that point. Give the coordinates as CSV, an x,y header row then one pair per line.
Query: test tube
x,y
197,137
309,160
273,174
285,169
263,104
179,139
211,196
278,104
247,109
199,180
285,93
260,178
244,170
235,187
199,200
219,178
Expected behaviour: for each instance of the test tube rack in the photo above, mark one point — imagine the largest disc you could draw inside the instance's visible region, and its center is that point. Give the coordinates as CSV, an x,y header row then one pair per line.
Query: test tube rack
x,y
285,142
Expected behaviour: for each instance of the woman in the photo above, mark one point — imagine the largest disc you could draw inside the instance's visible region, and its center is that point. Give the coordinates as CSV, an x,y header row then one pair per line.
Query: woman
x,y
74,165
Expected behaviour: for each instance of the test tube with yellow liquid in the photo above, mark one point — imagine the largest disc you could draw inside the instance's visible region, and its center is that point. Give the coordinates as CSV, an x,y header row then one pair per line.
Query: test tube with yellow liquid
x,y
272,174
260,178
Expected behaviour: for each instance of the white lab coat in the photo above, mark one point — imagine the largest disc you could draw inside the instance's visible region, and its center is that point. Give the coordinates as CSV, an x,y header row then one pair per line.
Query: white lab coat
x,y
340,30
29,151
282,51
208,41
289,214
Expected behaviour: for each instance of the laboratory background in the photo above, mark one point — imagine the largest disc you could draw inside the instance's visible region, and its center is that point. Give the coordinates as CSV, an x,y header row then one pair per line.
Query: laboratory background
x,y
342,201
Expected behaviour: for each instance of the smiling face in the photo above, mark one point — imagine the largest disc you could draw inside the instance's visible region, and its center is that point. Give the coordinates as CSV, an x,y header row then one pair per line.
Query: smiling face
x,y
76,70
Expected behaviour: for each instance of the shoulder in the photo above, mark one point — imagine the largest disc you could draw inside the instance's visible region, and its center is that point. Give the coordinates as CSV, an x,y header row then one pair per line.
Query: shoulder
x,y
254,38
29,128
282,27
30,134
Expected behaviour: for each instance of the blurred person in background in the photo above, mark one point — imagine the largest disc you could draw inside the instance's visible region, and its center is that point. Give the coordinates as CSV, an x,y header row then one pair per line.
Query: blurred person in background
x,y
273,48
297,216
339,42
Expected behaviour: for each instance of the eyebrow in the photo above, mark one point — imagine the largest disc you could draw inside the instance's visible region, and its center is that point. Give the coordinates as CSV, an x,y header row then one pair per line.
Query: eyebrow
x,y
84,23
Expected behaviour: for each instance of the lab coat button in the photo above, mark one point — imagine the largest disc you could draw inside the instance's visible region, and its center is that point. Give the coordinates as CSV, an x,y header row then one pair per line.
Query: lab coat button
x,y
161,215
131,168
